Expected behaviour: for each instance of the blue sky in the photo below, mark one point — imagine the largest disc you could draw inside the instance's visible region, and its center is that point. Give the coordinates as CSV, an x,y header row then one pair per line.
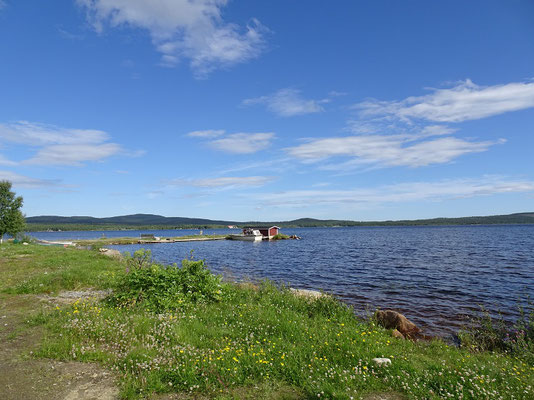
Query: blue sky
x,y
247,110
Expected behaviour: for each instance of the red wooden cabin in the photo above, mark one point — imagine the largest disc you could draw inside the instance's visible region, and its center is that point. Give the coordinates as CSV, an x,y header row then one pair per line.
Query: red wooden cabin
x,y
267,232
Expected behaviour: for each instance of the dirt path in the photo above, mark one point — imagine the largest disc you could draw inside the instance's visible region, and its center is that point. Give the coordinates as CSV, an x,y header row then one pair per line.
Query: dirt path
x,y
24,378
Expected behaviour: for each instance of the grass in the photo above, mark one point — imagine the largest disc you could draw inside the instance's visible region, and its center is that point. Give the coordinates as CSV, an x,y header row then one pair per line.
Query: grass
x,y
248,340
135,240
48,269
280,236
486,333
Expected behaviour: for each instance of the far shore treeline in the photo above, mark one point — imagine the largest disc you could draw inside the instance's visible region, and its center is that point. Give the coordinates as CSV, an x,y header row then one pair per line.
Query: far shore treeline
x,y
150,221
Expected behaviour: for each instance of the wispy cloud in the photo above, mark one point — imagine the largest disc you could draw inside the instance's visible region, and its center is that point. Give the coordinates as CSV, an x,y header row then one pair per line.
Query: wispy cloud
x,y
463,102
288,103
388,150
73,154
411,132
61,146
243,143
194,30
6,162
27,182
209,133
223,182
279,164
68,35
36,134
236,143
436,130
405,192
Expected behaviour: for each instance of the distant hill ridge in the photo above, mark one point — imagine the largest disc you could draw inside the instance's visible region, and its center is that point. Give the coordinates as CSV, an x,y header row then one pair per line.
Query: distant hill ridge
x,y
134,219
158,220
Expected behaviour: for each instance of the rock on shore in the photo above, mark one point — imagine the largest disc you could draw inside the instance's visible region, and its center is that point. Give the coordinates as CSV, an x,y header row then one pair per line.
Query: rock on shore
x,y
390,319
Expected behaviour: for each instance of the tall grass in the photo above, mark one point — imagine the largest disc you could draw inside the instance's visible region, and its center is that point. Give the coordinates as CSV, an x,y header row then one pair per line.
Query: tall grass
x,y
252,336
487,333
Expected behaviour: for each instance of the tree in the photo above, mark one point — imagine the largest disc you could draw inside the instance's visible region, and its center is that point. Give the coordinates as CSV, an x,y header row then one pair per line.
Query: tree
x,y
11,218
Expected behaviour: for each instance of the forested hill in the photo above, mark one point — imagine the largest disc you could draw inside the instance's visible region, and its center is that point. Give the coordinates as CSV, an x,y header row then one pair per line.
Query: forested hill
x,y
145,221
135,219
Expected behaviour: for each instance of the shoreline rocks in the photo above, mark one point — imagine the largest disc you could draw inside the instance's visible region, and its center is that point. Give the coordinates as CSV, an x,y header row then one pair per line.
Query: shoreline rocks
x,y
111,253
312,294
390,319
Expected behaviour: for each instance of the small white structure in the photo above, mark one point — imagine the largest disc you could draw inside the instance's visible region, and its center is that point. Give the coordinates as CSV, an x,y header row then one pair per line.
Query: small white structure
x,y
382,362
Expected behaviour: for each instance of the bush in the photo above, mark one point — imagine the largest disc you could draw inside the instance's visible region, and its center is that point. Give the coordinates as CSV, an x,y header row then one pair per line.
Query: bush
x,y
280,236
487,333
23,238
141,259
159,288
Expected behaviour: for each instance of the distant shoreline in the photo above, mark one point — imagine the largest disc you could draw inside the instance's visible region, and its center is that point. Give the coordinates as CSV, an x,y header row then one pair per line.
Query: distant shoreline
x,y
468,221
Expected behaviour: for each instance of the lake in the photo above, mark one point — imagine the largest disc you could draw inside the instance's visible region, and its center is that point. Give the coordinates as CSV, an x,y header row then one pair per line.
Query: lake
x,y
434,275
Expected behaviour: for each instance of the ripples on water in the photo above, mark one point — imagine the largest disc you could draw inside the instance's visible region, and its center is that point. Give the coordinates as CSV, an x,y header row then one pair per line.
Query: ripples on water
x,y
435,275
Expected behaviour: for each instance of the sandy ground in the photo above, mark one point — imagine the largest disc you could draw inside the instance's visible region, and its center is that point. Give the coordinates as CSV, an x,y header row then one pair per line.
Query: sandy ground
x,y
23,377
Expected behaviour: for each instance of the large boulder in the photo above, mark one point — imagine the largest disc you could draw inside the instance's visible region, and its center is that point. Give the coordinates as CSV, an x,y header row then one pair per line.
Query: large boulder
x,y
390,319
111,253
396,334
311,294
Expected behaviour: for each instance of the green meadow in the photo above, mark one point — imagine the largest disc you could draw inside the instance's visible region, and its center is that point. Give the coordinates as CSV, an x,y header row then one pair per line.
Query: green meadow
x,y
180,330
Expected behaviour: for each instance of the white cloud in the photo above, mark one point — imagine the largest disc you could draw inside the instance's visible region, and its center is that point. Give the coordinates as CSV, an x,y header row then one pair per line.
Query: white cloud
x,y
223,182
26,182
243,143
73,154
61,146
6,162
34,134
388,150
68,35
209,133
405,192
287,103
463,102
183,29
436,130
279,164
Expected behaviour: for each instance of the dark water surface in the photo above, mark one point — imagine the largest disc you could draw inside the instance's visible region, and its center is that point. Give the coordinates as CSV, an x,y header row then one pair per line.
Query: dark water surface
x,y
435,275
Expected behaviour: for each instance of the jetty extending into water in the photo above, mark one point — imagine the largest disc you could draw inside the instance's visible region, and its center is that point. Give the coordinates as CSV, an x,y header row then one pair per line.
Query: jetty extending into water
x,y
132,240
269,234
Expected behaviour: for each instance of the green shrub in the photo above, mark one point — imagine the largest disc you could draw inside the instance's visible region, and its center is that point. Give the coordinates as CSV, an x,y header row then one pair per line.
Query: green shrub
x,y
280,236
141,259
487,333
159,288
23,238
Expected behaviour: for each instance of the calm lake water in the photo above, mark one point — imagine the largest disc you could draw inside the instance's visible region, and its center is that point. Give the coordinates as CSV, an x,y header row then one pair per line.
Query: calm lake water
x,y
434,275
